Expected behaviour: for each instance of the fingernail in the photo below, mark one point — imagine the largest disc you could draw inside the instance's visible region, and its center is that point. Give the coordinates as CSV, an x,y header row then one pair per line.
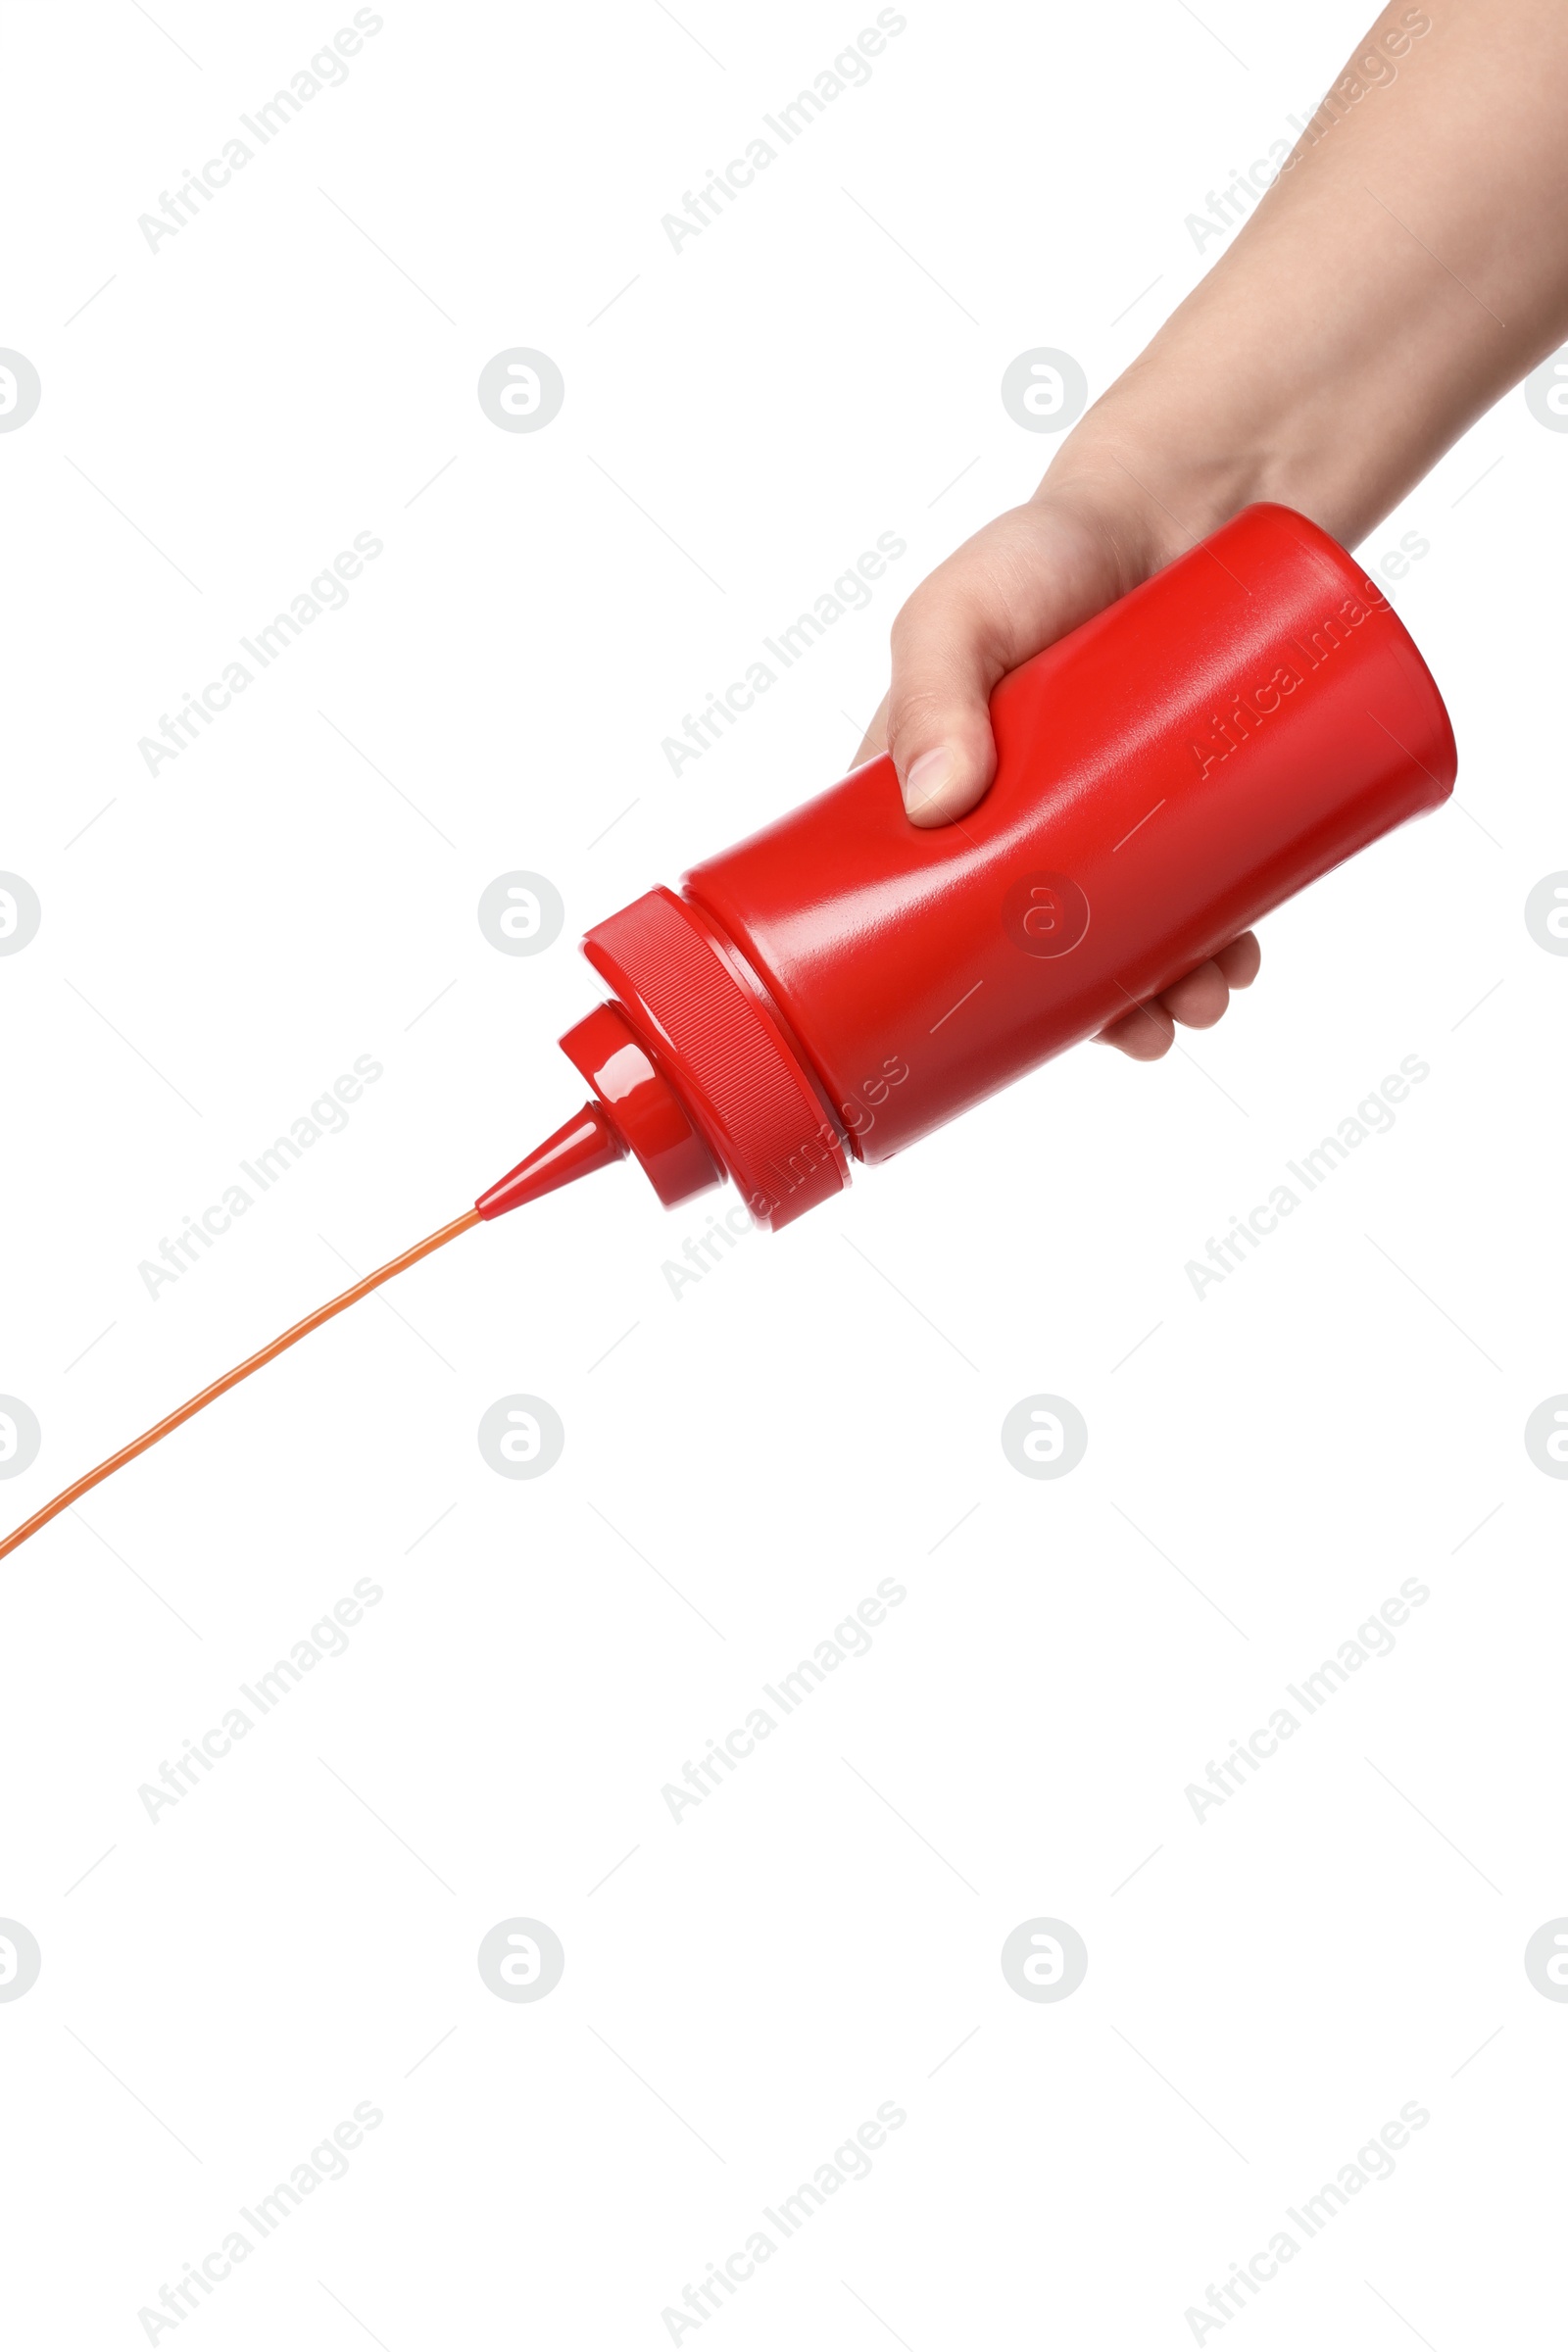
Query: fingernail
x,y
927,779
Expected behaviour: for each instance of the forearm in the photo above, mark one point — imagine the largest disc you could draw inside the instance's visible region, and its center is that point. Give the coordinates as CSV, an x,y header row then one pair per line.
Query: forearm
x,y
1409,267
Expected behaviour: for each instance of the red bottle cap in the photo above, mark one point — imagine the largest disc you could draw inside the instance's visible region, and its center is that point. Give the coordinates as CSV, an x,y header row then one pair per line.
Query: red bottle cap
x,y
725,1052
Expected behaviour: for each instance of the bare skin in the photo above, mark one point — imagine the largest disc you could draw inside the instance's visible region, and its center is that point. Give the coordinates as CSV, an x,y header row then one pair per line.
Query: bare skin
x,y
1408,268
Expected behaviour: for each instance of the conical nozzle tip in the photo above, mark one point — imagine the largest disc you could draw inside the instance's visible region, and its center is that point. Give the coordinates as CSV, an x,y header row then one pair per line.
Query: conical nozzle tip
x,y
586,1142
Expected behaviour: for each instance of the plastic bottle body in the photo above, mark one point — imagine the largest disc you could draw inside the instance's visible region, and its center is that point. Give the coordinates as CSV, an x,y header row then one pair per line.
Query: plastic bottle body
x,y
1166,774
843,981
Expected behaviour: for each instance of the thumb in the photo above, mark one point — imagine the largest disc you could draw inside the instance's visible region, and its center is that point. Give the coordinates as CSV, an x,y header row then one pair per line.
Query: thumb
x,y
946,659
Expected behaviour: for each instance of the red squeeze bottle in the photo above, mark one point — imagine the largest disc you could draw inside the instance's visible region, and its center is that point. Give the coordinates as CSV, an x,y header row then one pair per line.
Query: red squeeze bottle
x,y
845,981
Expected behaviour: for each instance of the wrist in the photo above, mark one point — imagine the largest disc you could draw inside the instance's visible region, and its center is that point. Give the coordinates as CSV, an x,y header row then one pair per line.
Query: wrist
x,y
1146,494
1240,397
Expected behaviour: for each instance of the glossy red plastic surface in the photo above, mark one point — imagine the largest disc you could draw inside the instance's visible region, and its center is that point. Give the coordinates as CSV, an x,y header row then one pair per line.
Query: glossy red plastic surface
x,y
585,1142
641,1106
742,1083
1166,774
845,981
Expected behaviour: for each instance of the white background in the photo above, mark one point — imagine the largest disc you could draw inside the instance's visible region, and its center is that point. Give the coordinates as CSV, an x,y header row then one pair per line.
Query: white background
x,y
820,1936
